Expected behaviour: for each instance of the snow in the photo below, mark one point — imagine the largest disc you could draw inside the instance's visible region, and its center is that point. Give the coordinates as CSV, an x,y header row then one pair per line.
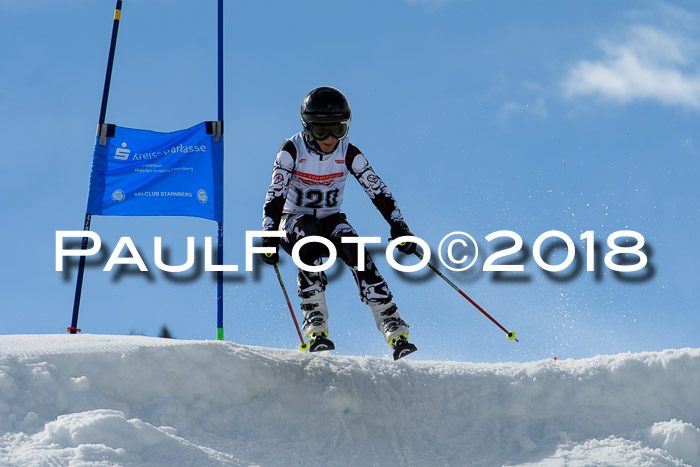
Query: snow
x,y
93,400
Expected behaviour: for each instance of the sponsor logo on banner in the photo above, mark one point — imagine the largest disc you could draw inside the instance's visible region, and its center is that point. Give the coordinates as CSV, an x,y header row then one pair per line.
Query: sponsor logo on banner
x,y
202,196
118,195
122,153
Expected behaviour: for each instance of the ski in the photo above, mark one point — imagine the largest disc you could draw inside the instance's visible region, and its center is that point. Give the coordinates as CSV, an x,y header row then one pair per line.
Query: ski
x,y
402,347
321,343
403,350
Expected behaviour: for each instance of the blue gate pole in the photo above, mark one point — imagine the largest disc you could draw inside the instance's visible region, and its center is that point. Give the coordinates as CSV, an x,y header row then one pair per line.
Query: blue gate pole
x,y
73,329
220,235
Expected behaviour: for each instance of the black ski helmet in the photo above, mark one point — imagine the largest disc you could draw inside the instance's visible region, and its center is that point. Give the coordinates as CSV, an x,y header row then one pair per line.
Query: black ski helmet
x,y
324,105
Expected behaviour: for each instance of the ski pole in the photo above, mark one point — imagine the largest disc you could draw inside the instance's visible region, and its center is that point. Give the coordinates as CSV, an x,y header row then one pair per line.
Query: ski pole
x,y
303,346
510,334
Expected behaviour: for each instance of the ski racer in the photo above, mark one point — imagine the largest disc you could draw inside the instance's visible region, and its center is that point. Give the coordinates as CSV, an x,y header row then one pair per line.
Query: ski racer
x,y
305,199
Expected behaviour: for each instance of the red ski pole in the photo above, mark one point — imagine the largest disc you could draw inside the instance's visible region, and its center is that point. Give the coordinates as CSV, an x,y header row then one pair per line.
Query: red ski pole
x,y
303,346
510,334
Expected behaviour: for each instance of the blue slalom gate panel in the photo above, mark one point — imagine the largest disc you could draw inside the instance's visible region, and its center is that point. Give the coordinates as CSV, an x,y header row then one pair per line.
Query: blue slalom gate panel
x,y
146,173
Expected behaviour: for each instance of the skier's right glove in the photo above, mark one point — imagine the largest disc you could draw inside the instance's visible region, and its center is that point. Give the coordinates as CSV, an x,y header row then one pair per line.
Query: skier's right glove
x,y
270,258
400,229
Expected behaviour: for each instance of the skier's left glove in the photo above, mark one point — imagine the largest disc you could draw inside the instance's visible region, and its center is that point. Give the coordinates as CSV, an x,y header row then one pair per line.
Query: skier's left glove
x,y
400,229
271,258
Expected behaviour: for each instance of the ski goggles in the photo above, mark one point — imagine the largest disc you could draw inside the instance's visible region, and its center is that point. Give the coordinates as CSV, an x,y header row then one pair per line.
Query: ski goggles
x,y
322,131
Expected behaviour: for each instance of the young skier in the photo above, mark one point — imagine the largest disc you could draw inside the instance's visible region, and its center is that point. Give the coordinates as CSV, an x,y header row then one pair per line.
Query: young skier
x,y
304,199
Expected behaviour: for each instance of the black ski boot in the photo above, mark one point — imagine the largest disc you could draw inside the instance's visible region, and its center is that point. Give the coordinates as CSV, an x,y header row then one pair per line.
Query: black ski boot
x,y
319,342
402,347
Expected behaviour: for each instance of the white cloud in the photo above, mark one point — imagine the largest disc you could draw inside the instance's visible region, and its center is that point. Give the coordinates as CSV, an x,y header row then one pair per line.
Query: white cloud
x,y
647,64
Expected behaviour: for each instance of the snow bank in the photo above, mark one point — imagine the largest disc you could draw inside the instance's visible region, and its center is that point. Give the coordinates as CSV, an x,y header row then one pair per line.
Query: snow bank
x,y
109,400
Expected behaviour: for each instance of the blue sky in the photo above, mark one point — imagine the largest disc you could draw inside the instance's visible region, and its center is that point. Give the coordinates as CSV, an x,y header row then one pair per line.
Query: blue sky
x,y
521,116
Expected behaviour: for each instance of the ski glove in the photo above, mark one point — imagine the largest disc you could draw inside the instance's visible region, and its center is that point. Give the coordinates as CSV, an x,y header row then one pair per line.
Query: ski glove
x,y
400,229
271,258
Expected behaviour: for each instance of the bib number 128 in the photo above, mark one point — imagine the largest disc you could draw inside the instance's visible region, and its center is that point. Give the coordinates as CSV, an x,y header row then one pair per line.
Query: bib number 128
x,y
316,199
